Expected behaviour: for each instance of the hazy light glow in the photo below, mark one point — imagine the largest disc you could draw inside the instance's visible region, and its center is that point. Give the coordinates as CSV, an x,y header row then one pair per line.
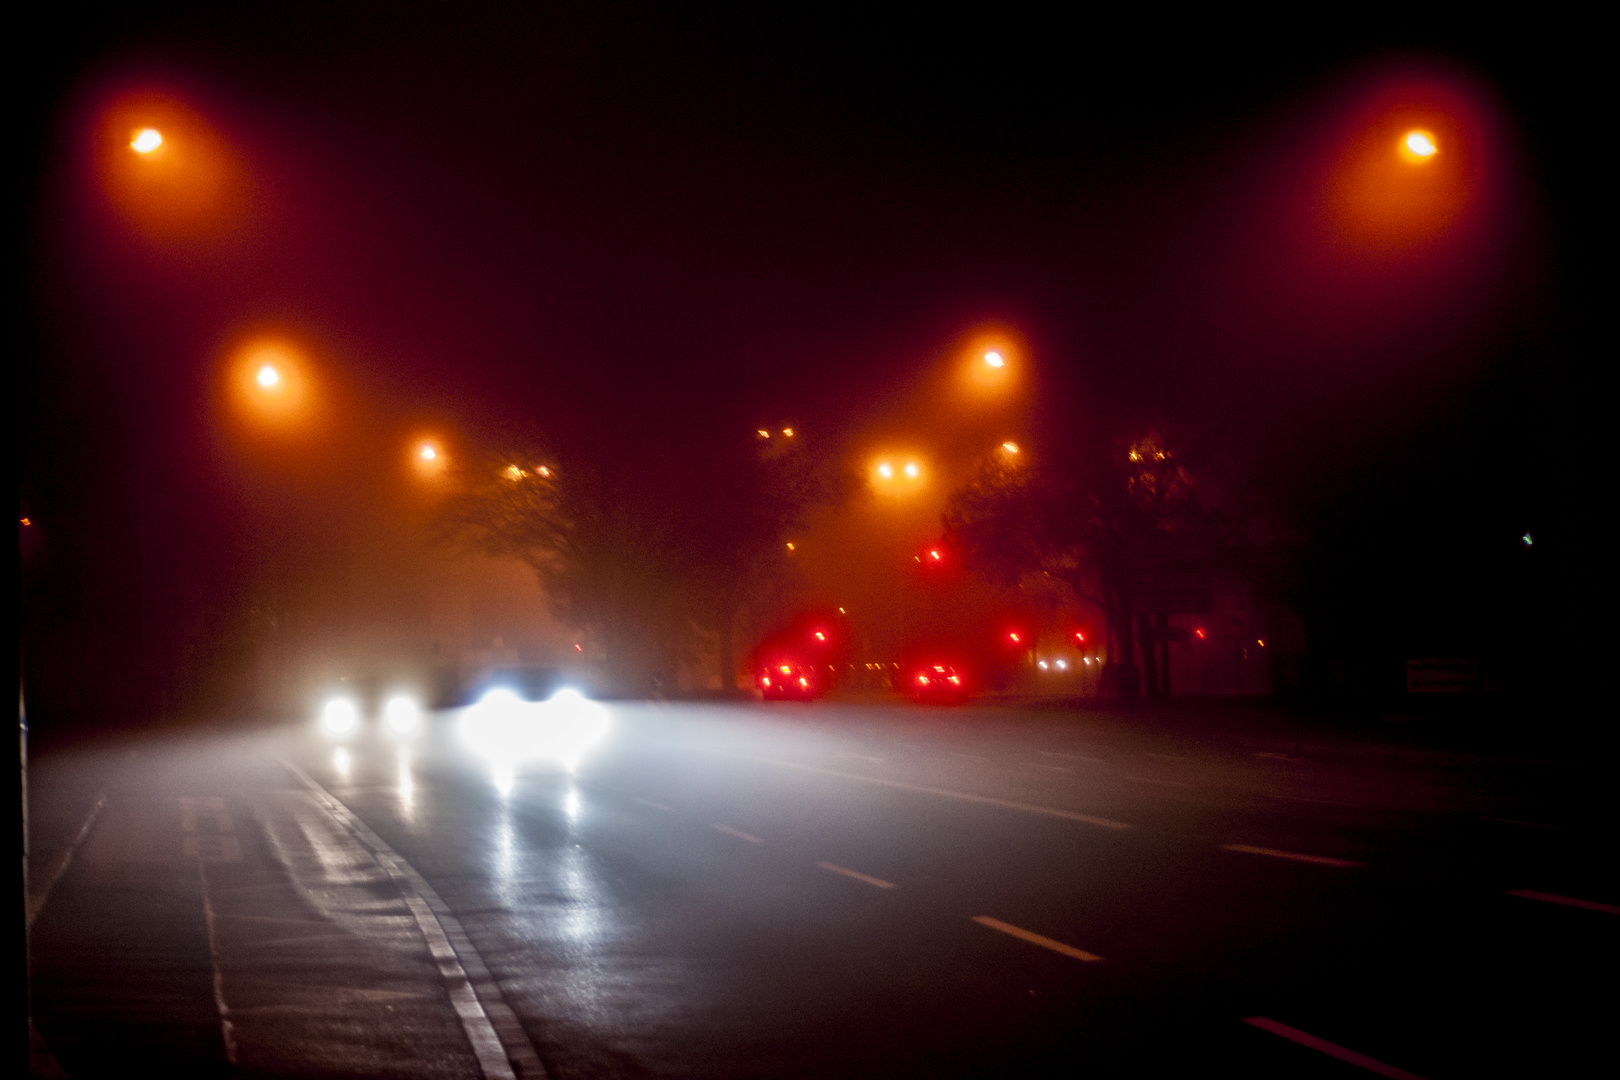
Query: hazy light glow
x,y
505,729
427,453
268,376
146,140
913,470
340,717
1420,144
1010,447
885,470
402,715
340,762
995,359
406,785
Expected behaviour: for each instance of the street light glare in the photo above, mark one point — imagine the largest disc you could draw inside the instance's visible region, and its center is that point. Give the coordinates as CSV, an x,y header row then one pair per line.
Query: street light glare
x,y
427,453
268,376
885,470
1010,447
912,470
146,140
1420,144
995,359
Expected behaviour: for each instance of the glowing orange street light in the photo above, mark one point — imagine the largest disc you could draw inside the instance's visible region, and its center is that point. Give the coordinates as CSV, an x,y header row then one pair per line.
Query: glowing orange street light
x,y
269,382
1418,146
146,140
995,359
427,452
1010,447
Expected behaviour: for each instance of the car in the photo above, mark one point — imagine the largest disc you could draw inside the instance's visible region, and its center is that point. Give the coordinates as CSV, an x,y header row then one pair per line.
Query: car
x,y
790,680
939,683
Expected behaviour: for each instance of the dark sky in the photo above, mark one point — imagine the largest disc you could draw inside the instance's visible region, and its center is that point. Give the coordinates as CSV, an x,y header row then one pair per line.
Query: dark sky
x,y
643,223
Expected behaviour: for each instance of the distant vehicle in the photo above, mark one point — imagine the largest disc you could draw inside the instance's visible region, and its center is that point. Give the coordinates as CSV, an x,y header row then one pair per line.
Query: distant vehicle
x,y
800,660
941,683
791,681
527,682
354,701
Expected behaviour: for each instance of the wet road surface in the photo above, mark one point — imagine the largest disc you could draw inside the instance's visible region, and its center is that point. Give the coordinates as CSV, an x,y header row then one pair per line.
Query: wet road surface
x,y
737,891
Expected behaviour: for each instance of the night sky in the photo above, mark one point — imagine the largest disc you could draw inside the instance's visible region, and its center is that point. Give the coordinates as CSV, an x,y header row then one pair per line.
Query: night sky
x,y
624,229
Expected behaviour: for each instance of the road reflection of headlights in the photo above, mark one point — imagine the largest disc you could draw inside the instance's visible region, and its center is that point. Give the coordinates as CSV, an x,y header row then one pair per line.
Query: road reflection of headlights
x,y
339,718
505,729
402,715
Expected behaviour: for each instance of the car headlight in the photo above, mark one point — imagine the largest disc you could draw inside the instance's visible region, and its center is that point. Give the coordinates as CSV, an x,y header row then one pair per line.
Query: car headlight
x,y
339,717
402,715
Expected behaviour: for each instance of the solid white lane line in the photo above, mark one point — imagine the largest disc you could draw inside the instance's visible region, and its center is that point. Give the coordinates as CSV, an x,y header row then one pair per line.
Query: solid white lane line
x,y
738,833
1320,860
655,805
1071,757
1049,768
40,891
497,1037
1567,901
856,874
1037,939
947,793
1372,1065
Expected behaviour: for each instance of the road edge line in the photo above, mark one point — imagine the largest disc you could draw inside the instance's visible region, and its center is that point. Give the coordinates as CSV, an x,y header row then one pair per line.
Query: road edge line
x,y
36,903
484,1014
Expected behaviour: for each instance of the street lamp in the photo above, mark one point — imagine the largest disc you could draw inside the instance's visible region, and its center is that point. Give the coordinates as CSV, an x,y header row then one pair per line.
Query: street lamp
x,y
1418,146
146,140
897,474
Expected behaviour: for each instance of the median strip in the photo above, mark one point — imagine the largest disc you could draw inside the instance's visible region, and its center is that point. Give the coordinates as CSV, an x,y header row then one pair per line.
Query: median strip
x,y
1037,939
738,833
1320,860
1372,1065
856,874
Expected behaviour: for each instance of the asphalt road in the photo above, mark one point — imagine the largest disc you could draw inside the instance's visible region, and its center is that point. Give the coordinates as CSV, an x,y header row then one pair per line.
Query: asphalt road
x,y
809,891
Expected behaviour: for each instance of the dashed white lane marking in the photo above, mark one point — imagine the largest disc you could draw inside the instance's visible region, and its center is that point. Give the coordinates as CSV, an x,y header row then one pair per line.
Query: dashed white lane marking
x,y
497,1037
227,1026
1372,1065
970,757
655,805
1321,860
856,874
1073,757
1156,780
1049,768
947,793
738,833
39,890
862,757
1272,755
1170,757
1567,901
1526,824
1037,939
